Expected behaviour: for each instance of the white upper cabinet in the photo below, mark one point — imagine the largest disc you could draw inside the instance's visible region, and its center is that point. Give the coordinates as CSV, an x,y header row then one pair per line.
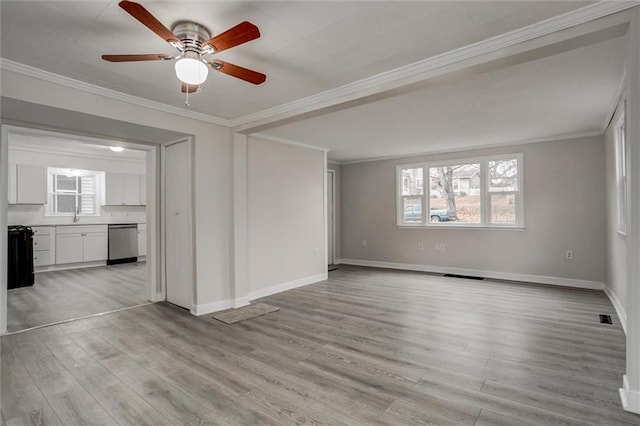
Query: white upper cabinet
x,y
27,184
12,193
123,189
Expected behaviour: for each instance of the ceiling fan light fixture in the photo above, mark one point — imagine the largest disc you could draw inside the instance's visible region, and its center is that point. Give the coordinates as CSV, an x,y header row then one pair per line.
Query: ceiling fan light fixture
x,y
191,70
116,148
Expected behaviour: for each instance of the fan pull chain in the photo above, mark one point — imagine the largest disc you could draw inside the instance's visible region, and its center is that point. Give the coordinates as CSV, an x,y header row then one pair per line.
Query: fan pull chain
x,y
187,101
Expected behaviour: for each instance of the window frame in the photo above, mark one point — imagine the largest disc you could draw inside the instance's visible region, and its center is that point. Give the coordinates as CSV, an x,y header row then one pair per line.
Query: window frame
x,y
620,153
52,172
485,193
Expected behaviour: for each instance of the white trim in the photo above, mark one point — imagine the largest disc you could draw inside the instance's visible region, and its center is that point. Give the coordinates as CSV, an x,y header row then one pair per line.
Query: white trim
x,y
630,398
508,276
374,84
208,308
268,291
618,306
331,214
29,71
416,71
287,141
467,148
241,301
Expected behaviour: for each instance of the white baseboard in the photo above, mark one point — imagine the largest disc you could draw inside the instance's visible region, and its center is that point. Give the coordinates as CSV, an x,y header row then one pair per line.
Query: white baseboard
x,y
67,266
510,276
630,398
209,308
264,292
241,301
619,307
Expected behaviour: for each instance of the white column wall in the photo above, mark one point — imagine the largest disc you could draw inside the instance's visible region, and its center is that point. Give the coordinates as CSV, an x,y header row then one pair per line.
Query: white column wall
x,y
630,391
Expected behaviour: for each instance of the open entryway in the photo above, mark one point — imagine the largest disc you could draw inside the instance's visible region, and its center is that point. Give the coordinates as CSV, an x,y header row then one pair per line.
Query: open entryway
x,y
330,218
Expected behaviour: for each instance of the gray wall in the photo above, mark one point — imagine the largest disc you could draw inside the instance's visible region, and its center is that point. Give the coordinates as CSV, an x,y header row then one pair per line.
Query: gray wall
x,y
286,213
564,209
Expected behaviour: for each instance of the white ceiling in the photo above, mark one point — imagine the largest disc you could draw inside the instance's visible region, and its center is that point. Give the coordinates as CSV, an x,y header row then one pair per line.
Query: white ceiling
x,y
565,94
308,48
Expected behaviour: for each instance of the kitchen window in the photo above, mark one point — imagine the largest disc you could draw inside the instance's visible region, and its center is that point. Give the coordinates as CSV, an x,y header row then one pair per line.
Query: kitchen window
x,y
73,192
479,192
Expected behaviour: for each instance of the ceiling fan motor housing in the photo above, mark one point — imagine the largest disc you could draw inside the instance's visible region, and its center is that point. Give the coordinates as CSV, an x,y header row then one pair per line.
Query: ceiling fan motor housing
x,y
192,36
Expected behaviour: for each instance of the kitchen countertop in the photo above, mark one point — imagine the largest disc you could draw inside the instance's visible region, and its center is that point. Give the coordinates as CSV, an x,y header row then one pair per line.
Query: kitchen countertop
x,y
77,224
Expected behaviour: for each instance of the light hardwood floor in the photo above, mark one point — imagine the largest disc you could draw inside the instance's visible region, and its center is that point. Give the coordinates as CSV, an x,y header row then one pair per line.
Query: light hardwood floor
x,y
365,347
62,295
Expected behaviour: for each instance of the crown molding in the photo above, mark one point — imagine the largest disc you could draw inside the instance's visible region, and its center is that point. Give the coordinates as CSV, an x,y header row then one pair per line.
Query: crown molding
x,y
415,72
29,71
368,86
563,137
287,141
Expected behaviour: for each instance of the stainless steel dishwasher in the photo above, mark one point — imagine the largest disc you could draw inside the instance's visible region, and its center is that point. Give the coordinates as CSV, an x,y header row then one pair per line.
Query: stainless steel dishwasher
x,y
123,243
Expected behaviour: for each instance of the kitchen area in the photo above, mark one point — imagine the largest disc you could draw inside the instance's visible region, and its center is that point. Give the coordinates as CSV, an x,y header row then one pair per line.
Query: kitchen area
x,y
77,229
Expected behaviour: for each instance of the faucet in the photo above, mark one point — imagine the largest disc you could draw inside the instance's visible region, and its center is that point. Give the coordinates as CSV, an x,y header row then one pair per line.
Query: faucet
x,y
76,219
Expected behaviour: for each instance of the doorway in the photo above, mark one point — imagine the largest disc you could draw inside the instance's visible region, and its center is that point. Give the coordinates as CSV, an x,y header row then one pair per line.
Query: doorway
x,y
330,218
70,245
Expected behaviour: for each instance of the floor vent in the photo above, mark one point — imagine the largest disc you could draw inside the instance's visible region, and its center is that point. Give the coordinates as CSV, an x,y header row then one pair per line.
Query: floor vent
x,y
468,277
605,319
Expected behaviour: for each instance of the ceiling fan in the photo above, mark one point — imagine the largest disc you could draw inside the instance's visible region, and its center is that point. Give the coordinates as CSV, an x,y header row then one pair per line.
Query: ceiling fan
x,y
194,42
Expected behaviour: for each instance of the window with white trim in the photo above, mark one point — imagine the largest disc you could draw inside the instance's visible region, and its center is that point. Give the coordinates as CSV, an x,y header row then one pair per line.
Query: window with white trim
x,y
73,192
621,168
478,192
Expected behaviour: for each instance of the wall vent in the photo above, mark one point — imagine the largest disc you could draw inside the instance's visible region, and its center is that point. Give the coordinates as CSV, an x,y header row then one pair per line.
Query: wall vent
x,y
605,319
468,277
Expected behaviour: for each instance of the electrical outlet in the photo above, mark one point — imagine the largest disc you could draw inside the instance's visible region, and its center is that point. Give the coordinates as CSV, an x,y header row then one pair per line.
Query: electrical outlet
x,y
439,247
569,255
420,246
364,243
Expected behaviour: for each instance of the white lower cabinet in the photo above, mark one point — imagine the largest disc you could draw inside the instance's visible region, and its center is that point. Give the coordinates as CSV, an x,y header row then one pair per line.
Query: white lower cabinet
x,y
75,244
43,247
142,239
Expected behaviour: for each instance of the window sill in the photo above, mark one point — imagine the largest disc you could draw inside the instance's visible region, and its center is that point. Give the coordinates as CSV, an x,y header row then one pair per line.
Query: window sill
x,y
464,227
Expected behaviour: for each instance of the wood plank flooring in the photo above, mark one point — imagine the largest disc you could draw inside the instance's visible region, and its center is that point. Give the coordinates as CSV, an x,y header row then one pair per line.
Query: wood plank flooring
x,y
366,346
62,295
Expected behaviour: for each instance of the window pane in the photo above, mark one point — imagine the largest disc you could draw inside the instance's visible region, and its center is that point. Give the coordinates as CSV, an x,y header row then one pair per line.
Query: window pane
x,y
503,175
412,181
65,203
412,210
503,209
66,183
454,193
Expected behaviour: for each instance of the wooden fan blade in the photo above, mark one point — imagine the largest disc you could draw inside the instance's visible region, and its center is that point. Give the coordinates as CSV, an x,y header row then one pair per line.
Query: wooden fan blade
x,y
241,33
189,87
134,58
148,20
238,72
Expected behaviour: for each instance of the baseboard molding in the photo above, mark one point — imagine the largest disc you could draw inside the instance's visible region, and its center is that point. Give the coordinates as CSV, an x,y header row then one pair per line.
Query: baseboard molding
x,y
67,266
209,308
630,398
618,306
241,301
221,305
264,292
509,276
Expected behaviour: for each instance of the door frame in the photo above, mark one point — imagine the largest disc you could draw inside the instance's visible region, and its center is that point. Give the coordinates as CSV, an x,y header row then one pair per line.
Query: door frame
x,y
155,247
332,214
